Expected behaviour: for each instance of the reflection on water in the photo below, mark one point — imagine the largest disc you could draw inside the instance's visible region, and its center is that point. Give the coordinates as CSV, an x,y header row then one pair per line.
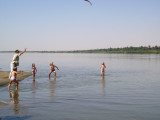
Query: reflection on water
x,y
103,84
33,86
52,86
13,94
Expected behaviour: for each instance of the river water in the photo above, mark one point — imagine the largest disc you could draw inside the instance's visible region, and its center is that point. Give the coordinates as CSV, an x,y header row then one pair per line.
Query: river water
x,y
130,89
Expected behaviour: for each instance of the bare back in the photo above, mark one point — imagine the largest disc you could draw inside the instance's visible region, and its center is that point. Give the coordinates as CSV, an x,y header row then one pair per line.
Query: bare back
x,y
14,73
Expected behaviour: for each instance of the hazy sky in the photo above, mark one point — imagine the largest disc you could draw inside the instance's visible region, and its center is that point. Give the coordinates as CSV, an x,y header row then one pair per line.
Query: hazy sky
x,y
76,25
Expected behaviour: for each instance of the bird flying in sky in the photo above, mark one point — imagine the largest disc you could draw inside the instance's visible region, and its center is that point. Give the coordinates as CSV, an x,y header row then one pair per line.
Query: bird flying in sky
x,y
88,1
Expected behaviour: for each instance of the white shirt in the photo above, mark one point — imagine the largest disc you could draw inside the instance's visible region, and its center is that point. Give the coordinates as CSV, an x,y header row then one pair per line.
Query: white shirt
x,y
15,59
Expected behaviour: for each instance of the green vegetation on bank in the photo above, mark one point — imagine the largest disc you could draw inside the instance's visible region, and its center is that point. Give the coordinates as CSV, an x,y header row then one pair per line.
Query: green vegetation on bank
x,y
124,50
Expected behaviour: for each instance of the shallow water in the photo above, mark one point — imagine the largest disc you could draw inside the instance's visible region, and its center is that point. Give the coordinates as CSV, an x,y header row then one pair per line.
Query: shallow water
x,y
128,91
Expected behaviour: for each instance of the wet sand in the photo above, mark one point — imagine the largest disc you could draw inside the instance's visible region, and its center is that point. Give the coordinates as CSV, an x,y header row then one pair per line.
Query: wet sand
x,y
3,103
4,80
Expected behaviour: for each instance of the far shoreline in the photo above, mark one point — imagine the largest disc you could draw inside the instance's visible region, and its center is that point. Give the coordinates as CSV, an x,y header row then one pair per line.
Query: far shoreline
x,y
124,50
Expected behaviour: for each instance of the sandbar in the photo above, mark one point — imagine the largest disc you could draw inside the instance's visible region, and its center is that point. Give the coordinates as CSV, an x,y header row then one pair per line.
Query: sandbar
x,y
4,80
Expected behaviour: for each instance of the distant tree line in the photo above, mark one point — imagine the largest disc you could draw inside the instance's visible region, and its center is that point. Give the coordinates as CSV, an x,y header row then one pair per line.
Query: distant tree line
x,y
125,50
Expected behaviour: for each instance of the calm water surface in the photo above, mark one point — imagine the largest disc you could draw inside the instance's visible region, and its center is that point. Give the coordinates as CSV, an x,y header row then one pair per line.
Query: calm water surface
x,y
130,89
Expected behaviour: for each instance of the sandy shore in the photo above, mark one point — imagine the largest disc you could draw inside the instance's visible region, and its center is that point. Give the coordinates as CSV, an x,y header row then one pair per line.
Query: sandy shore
x,y
4,77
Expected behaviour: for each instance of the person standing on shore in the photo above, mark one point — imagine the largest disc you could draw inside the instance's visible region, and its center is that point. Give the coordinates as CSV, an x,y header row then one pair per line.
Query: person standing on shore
x,y
15,60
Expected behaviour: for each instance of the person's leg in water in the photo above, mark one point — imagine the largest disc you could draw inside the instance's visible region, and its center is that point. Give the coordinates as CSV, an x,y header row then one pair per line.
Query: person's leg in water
x,y
50,73
10,82
16,81
33,73
102,72
54,73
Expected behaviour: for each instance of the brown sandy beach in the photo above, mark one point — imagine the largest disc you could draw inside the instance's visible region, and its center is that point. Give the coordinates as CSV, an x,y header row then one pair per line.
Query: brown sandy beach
x,y
4,77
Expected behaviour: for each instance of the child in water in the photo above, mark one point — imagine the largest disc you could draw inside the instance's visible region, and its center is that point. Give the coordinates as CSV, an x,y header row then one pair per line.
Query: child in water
x,y
102,69
52,67
34,70
13,78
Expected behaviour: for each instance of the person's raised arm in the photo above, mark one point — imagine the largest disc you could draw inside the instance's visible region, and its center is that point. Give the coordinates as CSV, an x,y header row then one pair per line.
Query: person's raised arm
x,y
23,51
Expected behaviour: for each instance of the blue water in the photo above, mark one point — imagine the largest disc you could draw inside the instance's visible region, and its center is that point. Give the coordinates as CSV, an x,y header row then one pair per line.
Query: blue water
x,y
128,91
